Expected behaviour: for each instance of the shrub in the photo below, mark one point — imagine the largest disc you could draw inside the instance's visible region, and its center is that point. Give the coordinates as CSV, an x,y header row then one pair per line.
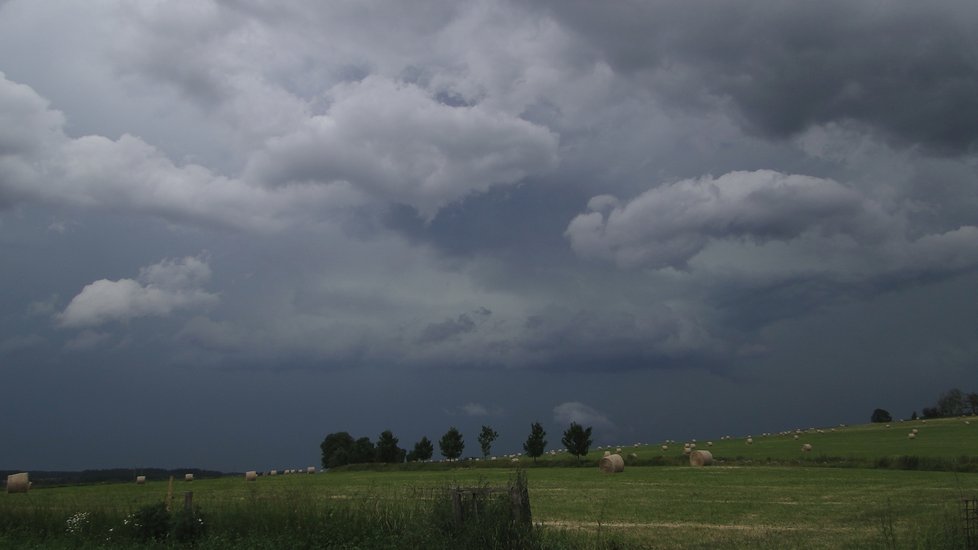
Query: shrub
x,y
151,522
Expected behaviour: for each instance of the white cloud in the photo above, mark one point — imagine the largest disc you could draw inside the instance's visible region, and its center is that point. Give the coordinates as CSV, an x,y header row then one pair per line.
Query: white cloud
x,y
160,289
765,222
575,411
398,143
39,162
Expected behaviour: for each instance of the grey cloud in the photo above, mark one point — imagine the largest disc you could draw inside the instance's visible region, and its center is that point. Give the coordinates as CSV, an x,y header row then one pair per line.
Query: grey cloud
x,y
43,164
905,68
444,330
161,289
666,226
397,142
768,226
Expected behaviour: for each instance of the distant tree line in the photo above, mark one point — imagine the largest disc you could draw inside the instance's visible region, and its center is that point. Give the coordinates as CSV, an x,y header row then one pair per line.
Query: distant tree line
x,y
340,448
50,478
953,402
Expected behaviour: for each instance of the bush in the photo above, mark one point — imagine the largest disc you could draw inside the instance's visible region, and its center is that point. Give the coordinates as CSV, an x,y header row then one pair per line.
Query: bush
x,y
151,522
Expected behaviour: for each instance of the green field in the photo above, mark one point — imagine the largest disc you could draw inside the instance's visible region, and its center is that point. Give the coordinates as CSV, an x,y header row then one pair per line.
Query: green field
x,y
944,438
723,506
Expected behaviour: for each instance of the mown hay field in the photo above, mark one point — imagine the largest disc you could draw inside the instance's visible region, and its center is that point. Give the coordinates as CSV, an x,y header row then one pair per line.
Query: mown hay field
x,y
726,505
656,507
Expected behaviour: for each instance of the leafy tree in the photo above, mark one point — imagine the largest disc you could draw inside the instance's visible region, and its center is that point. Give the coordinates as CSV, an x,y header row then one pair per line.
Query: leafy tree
x,y
913,416
451,444
972,399
930,412
337,449
535,443
387,449
951,403
422,450
577,440
486,437
363,451
881,415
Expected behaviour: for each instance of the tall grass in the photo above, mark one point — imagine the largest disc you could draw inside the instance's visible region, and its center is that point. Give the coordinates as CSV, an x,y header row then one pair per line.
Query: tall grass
x,y
403,518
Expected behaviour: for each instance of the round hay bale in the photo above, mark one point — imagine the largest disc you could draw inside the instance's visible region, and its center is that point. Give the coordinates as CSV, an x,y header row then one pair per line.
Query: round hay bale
x,y
140,480
913,431
612,464
911,435
692,445
709,443
607,453
700,458
273,473
807,447
687,450
310,469
18,483
251,475
618,450
796,436
665,447
188,477
750,441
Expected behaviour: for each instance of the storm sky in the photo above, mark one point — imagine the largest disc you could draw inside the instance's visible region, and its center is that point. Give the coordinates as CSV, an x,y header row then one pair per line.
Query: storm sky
x,y
229,228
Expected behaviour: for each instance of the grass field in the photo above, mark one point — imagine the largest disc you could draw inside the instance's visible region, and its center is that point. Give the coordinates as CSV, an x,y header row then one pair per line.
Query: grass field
x,y
944,438
722,506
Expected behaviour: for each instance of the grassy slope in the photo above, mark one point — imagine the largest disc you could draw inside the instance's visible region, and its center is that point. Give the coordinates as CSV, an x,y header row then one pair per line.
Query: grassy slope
x,y
664,507
661,506
947,438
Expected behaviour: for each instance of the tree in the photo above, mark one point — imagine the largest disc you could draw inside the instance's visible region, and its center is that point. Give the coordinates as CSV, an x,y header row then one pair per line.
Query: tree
x,y
363,451
951,403
387,449
881,415
336,449
930,412
451,444
577,440
972,399
486,437
913,416
423,450
535,443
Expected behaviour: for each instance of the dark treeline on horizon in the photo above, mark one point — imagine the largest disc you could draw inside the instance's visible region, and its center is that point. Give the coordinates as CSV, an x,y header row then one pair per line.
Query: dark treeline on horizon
x,y
111,475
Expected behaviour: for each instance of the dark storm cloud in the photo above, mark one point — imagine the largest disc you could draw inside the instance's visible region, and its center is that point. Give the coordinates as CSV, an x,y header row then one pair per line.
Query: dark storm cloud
x,y
908,69
661,203
437,332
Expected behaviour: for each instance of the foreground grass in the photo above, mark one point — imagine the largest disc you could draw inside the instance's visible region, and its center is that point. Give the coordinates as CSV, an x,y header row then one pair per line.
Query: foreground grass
x,y
652,507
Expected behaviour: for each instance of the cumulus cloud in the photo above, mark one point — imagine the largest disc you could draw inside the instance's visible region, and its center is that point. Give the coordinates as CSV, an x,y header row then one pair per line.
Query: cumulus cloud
x,y
813,224
159,290
40,162
396,141
575,411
